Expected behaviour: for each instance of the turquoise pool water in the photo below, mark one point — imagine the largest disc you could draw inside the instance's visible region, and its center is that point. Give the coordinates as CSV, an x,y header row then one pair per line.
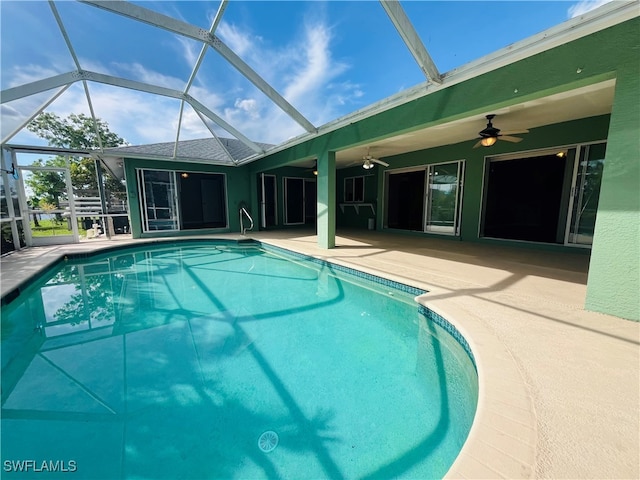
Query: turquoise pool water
x,y
172,360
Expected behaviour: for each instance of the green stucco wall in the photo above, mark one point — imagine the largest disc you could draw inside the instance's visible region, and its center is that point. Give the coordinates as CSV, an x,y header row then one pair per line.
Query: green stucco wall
x,y
614,271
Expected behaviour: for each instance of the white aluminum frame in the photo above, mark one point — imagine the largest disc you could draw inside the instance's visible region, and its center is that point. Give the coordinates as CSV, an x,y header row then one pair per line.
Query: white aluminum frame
x,y
30,240
143,199
572,196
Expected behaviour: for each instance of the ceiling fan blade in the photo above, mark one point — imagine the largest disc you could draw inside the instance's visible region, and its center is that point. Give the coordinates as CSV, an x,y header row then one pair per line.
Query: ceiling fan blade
x,y
479,144
375,160
510,139
515,132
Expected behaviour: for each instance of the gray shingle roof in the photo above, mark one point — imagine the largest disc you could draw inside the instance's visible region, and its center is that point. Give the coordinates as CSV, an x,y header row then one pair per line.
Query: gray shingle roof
x,y
205,149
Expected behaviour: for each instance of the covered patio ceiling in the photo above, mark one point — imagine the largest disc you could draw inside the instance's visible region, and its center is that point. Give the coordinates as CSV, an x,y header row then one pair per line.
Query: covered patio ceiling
x,y
22,102
584,102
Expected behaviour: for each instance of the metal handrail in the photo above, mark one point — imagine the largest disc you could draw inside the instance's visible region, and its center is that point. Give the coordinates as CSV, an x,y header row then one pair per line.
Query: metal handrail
x,y
242,229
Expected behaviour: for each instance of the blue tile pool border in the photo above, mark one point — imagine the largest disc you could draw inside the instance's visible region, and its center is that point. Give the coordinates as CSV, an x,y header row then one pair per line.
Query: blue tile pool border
x,y
450,329
340,268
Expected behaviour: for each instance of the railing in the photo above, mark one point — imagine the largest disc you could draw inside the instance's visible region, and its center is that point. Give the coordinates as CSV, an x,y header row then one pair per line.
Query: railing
x,y
242,229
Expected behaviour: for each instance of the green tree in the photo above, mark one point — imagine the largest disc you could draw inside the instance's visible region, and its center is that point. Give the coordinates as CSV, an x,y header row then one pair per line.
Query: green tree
x,y
73,132
47,186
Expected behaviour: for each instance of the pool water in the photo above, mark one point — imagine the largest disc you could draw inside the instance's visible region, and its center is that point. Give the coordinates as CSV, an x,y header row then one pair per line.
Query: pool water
x,y
172,361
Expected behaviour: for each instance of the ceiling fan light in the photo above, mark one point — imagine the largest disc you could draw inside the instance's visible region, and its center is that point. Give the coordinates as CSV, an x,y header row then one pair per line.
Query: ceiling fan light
x,y
488,141
367,165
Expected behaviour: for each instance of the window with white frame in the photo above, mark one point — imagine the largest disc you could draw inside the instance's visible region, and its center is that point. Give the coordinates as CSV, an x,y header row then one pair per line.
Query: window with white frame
x,y
354,189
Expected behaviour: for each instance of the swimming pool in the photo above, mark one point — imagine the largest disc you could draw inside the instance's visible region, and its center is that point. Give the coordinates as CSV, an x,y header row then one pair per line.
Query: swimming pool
x,y
228,360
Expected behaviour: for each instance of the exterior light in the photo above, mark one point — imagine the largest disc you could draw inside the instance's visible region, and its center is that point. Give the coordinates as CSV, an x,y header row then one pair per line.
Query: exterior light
x,y
488,141
184,175
367,165
561,154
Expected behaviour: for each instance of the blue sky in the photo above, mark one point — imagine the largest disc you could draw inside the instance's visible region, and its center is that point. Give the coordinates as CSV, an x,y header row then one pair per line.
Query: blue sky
x,y
327,59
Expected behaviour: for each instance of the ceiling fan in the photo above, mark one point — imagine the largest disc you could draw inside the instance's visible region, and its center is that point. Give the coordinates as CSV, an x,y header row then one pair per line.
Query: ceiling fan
x,y
368,162
490,135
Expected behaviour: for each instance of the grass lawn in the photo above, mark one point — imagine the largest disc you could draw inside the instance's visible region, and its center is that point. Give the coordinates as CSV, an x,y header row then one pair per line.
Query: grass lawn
x,y
51,227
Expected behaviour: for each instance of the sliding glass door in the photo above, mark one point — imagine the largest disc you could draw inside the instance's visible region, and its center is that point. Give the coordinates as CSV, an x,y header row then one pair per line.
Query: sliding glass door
x,y
444,183
547,196
202,200
405,200
524,197
172,200
586,193
427,199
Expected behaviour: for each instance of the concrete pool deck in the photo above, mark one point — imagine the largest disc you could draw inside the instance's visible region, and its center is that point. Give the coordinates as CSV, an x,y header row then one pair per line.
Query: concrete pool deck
x,y
559,386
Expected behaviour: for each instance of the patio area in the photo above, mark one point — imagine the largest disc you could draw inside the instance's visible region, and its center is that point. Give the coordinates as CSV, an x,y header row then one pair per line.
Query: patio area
x,y
559,386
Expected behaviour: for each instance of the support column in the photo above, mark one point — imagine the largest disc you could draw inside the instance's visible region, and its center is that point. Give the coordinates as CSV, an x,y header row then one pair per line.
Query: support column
x,y
326,214
614,270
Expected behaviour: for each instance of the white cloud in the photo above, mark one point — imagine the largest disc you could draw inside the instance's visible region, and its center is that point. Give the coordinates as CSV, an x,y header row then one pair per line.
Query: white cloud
x,y
584,6
190,50
205,96
249,106
302,71
317,68
241,43
23,74
142,74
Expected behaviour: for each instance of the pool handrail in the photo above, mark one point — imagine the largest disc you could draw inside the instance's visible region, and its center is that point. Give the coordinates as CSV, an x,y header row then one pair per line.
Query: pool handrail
x,y
242,228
